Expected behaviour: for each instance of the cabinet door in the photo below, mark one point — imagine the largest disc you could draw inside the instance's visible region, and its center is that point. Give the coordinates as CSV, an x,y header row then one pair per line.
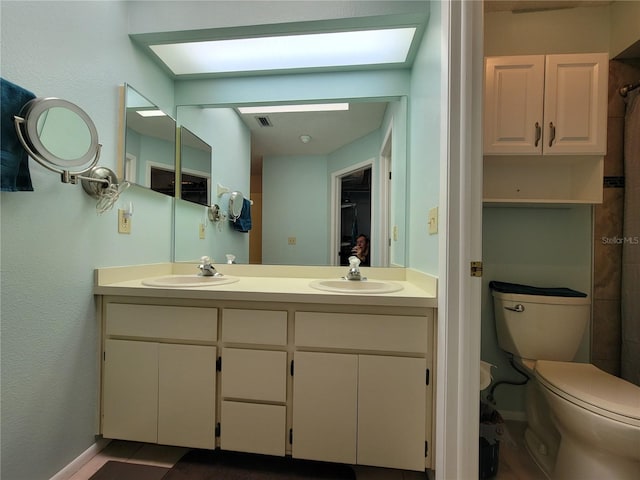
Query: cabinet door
x,y
186,398
254,375
391,412
513,100
325,406
575,106
253,428
130,391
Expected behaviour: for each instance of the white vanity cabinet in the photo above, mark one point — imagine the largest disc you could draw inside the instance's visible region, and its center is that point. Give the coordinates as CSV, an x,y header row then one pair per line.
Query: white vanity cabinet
x,y
158,384
340,382
546,105
254,381
370,408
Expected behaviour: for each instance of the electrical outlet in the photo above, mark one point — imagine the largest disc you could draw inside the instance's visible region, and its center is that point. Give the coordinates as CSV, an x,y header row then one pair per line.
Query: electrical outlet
x,y
433,221
291,240
124,222
201,231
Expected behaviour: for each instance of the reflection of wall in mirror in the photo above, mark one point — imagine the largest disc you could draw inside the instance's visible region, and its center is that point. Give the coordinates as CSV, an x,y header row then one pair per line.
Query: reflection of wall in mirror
x,y
230,140
149,150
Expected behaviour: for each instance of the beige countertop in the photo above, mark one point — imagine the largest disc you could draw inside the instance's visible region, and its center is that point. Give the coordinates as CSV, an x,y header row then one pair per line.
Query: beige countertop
x,y
290,284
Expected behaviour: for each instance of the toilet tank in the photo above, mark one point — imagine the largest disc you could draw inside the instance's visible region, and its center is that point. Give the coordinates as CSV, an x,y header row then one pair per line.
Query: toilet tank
x,y
539,326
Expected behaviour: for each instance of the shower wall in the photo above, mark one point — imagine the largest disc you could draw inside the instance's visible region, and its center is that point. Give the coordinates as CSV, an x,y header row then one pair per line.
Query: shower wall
x,y
606,337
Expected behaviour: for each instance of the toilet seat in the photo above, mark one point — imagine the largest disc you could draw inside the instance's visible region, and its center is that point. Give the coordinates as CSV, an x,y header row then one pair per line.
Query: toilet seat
x,y
592,389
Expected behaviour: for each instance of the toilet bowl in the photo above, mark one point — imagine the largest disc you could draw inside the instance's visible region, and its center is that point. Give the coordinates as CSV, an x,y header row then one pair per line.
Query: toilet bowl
x,y
582,423
598,417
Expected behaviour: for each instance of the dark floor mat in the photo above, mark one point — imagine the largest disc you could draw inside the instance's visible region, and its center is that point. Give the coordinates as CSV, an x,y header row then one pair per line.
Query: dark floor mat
x,y
219,465
113,470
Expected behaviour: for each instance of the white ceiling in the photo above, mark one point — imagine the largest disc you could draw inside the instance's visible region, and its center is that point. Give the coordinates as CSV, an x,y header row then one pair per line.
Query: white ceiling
x,y
328,130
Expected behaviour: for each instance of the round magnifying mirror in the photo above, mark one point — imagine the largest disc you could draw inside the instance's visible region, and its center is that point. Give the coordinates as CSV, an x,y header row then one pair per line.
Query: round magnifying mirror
x,y
58,133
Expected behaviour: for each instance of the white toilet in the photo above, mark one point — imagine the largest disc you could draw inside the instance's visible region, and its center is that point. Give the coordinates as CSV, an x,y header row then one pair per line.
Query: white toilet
x,y
582,423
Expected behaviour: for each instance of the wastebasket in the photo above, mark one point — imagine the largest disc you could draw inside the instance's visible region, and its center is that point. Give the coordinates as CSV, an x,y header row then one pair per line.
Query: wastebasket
x,y
491,430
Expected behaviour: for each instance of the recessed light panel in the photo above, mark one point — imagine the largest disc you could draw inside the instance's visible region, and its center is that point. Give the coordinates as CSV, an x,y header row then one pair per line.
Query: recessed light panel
x,y
336,49
311,107
150,113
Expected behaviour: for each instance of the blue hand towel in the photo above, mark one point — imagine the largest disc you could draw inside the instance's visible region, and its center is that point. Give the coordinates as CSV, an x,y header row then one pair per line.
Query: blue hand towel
x,y
243,222
14,161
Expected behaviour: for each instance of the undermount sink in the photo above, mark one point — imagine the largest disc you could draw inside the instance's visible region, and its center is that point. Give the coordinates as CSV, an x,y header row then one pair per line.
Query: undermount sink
x,y
355,286
188,281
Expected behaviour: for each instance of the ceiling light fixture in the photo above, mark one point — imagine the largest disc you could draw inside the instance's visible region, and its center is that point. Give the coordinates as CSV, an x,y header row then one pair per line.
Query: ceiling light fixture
x,y
311,107
151,113
305,138
334,49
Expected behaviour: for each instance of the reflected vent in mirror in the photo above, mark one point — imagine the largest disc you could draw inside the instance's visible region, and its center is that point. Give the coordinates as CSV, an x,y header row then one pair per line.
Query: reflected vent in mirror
x,y
264,121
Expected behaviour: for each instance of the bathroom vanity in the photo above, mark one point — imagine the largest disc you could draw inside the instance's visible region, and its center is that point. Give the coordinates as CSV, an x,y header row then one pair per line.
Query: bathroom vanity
x,y
270,365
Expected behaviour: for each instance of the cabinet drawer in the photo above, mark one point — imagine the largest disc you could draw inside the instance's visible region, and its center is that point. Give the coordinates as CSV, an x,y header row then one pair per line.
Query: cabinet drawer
x,y
253,428
362,331
162,321
254,375
265,327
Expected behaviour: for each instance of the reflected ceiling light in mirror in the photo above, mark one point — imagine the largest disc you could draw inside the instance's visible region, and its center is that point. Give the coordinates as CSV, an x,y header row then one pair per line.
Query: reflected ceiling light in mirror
x,y
311,107
151,113
334,49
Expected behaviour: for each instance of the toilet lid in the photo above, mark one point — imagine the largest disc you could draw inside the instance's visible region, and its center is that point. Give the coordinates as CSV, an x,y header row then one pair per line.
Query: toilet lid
x,y
593,389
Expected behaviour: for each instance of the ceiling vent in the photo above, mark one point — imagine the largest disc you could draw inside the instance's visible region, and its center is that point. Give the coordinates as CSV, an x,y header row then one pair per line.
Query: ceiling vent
x,y
264,121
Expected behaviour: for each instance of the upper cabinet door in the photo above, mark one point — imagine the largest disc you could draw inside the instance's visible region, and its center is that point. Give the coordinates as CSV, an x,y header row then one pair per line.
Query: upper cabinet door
x,y
514,88
575,105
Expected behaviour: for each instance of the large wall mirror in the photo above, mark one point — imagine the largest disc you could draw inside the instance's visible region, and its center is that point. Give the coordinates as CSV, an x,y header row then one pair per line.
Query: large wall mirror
x,y
149,152
316,180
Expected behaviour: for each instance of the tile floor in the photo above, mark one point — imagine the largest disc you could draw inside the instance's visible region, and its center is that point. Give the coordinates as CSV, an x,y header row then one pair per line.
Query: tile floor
x,y
515,463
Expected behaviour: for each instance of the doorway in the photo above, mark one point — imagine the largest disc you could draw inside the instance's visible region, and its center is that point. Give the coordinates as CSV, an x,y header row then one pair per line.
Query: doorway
x,y
355,210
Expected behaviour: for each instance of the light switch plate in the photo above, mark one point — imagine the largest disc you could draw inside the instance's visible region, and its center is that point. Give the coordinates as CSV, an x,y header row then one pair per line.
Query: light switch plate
x,y
124,222
433,221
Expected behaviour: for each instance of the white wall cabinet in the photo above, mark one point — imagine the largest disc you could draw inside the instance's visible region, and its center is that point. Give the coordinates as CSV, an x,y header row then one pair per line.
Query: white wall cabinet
x,y
545,128
546,105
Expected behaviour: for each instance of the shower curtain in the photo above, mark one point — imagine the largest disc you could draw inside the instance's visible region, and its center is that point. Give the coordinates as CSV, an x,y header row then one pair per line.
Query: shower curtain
x,y
630,294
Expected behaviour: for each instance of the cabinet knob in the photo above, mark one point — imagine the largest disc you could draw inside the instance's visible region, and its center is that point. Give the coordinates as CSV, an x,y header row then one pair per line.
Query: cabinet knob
x,y
538,134
552,133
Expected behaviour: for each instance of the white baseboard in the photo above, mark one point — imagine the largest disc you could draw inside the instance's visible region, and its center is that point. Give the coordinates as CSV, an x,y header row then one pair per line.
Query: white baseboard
x,y
67,472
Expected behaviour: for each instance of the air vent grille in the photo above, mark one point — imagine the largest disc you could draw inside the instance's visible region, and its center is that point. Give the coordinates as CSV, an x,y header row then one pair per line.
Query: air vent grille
x,y
264,121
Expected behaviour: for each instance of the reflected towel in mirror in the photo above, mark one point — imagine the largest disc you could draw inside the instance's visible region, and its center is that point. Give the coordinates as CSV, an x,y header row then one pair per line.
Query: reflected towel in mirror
x,y
243,222
14,161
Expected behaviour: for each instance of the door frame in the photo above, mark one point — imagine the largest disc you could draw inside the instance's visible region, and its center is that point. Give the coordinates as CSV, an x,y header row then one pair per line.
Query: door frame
x,y
336,200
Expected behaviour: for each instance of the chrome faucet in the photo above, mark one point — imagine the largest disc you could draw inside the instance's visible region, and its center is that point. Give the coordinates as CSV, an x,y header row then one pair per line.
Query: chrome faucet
x,y
354,269
207,269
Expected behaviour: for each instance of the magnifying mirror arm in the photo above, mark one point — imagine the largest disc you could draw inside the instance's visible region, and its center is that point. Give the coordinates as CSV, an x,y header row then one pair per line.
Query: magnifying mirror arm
x,y
65,175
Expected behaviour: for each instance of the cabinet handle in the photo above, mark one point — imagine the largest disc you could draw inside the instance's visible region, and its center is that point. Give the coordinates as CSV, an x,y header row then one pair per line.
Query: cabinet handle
x,y
538,134
552,133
